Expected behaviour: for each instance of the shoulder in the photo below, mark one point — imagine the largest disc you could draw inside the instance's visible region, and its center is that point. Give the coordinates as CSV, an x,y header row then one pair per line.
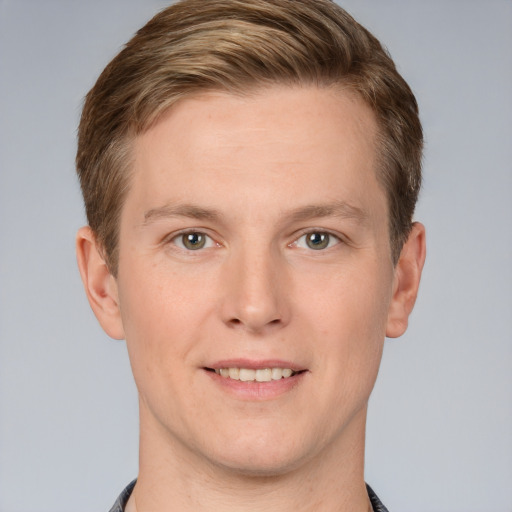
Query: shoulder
x,y
123,498
374,499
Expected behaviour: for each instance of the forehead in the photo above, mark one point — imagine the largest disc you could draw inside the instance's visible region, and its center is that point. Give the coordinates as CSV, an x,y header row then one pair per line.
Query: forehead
x,y
215,144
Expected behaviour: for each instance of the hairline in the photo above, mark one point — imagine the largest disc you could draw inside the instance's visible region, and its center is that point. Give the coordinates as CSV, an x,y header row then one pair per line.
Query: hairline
x,y
247,89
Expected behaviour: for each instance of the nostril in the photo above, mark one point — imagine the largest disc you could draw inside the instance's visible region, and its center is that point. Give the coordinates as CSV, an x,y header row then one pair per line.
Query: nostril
x,y
237,323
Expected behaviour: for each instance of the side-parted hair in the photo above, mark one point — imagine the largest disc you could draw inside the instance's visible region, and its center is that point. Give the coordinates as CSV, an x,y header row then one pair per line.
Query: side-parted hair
x,y
239,46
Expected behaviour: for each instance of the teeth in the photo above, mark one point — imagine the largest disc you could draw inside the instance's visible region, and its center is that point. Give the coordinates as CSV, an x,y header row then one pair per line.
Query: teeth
x,y
234,373
247,375
277,373
260,375
264,375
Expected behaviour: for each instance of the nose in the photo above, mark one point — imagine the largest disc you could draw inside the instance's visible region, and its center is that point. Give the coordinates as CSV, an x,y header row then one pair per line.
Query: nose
x,y
254,292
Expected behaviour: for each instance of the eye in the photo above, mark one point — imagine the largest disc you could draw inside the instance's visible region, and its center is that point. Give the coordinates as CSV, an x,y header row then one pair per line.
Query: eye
x,y
317,240
193,241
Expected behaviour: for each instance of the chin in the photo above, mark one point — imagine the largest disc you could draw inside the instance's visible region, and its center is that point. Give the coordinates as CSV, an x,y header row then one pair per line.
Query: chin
x,y
261,456
266,466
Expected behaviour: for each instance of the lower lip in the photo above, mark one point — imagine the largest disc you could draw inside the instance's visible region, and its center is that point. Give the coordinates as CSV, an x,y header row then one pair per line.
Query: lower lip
x,y
256,390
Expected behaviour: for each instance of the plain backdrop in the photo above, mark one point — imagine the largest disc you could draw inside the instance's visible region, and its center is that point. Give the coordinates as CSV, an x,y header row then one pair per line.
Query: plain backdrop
x,y
440,422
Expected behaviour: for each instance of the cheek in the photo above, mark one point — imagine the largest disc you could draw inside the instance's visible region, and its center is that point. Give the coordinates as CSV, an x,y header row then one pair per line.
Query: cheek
x,y
350,299
154,313
350,312
164,312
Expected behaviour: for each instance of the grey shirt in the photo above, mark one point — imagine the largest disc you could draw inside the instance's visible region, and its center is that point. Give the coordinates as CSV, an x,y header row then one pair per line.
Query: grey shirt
x,y
123,499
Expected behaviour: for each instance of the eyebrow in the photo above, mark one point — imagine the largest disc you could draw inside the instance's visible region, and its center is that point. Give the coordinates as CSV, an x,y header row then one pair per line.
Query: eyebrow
x,y
340,209
180,210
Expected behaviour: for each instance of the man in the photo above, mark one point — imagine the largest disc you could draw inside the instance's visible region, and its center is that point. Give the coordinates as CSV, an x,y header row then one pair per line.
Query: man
x,y
250,171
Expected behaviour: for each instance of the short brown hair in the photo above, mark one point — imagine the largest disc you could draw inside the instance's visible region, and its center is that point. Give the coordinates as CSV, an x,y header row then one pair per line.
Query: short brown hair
x,y
236,46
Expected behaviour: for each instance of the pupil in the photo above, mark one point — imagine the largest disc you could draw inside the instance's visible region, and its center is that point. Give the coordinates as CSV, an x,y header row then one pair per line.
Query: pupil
x,y
193,240
318,240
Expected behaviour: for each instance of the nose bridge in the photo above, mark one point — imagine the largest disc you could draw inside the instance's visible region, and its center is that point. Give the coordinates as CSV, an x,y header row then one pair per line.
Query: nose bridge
x,y
254,297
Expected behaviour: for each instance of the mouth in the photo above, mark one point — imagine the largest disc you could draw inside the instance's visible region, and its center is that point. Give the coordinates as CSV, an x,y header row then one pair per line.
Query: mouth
x,y
255,375
251,380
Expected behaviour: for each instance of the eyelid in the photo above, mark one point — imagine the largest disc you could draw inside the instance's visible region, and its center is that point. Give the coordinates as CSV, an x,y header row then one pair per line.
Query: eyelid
x,y
339,239
171,238
176,235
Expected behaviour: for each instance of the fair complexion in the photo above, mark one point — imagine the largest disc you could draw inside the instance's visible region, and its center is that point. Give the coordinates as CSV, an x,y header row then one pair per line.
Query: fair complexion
x,y
254,244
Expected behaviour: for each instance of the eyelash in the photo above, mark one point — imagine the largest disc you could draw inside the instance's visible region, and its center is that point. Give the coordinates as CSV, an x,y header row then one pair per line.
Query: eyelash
x,y
332,240
327,240
178,239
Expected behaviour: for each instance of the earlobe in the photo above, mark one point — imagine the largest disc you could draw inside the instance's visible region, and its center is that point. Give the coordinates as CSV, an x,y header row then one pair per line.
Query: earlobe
x,y
407,280
100,286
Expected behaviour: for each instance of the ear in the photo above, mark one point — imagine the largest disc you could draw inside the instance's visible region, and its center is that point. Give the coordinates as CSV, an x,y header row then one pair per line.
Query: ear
x,y
100,285
406,281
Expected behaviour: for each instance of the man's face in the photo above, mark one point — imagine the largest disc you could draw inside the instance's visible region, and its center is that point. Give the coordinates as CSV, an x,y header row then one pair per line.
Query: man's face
x,y
254,244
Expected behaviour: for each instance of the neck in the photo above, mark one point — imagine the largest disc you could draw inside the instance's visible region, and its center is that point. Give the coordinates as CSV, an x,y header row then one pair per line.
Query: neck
x,y
171,478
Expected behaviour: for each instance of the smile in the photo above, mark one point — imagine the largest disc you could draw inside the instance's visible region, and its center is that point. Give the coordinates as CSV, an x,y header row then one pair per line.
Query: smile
x,y
259,375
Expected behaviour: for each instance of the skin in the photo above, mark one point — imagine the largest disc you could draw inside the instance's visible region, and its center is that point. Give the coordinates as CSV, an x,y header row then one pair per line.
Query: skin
x,y
255,175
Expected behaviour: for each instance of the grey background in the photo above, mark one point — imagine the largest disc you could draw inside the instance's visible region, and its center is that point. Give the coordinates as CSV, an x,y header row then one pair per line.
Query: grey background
x,y
440,424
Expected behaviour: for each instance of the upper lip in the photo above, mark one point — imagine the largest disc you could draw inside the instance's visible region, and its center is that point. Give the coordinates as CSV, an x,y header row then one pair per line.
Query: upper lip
x,y
255,364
